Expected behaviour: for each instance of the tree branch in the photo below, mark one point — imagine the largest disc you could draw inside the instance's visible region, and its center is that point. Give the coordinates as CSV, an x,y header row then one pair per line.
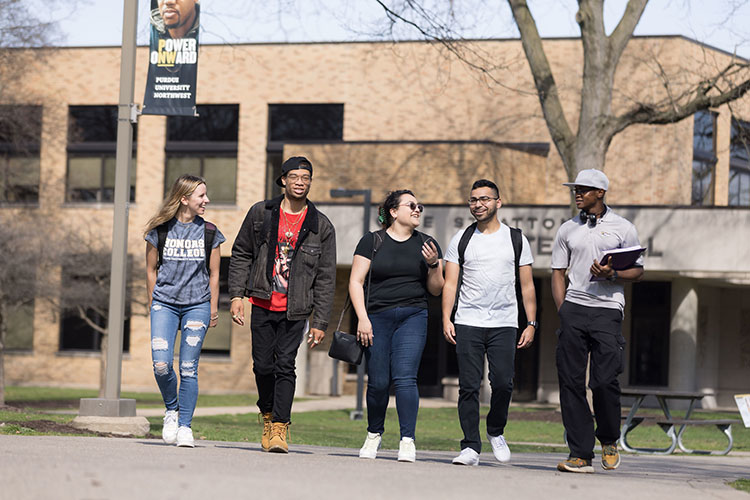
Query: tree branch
x,y
544,81
624,30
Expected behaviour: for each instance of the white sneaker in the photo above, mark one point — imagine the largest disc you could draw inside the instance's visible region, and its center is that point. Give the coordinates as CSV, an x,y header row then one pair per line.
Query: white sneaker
x,y
169,431
467,457
185,437
371,446
407,452
500,448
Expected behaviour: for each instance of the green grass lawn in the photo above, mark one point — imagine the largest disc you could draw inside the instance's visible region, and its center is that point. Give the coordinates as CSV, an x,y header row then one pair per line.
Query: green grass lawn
x,y
29,396
741,484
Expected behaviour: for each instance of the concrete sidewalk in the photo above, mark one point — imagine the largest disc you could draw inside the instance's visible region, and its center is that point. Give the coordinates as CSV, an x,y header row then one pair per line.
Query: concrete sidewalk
x,y
63,467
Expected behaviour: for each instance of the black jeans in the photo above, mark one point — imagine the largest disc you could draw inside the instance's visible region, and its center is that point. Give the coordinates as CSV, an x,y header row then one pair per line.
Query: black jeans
x,y
275,344
583,331
472,343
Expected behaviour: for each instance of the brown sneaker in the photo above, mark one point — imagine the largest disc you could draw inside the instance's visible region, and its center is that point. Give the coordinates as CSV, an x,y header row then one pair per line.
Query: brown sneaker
x,y
266,437
277,443
610,456
574,464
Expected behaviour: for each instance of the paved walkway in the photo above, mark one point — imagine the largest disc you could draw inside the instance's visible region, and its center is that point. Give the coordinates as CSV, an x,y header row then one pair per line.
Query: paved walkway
x,y
63,467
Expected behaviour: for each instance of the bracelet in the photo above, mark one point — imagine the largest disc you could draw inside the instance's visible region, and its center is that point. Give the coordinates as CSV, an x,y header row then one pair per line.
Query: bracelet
x,y
236,298
215,316
433,266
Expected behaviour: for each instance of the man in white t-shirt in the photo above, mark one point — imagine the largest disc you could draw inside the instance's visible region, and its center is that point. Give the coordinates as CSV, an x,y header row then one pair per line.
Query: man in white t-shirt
x,y
591,321
486,316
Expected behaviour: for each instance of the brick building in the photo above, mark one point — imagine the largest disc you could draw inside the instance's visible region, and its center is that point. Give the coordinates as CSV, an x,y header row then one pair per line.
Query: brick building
x,y
386,116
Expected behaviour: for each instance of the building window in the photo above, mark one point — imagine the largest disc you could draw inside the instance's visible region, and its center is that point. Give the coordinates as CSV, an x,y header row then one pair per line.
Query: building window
x,y
19,335
20,137
219,339
739,164
207,147
92,147
85,303
704,157
298,123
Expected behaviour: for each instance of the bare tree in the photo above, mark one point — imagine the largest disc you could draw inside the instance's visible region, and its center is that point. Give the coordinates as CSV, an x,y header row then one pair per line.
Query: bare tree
x,y
598,121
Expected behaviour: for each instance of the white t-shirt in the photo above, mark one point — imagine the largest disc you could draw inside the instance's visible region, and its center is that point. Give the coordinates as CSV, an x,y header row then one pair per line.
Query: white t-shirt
x,y
577,245
488,292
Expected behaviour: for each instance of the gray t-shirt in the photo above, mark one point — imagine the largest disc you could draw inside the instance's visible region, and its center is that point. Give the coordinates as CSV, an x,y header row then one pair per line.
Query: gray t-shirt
x,y
182,278
488,292
576,247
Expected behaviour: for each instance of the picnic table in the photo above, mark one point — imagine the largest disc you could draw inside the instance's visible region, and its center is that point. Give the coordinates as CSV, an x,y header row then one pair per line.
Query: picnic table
x,y
673,427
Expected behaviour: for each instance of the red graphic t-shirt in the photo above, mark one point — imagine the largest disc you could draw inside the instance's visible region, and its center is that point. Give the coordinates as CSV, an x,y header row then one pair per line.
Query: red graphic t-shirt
x,y
289,226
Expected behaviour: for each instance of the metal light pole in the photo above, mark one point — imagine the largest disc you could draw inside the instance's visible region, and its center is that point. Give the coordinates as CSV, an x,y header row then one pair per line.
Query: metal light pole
x,y
358,413
111,405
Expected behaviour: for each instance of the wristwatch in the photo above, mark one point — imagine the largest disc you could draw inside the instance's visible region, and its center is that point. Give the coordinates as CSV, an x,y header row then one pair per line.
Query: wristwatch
x,y
433,266
613,277
535,324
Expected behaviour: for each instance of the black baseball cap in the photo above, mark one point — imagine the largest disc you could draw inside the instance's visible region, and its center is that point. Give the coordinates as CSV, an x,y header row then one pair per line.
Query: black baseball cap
x,y
294,163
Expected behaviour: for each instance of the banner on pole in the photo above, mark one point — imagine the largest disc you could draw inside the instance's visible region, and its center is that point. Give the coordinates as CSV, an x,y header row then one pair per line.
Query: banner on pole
x,y
173,58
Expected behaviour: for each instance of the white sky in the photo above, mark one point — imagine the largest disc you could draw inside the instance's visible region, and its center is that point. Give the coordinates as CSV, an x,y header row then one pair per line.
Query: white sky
x,y
99,22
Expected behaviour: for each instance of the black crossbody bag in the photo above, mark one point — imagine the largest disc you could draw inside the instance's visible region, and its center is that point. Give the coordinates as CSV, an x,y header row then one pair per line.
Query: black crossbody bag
x,y
344,345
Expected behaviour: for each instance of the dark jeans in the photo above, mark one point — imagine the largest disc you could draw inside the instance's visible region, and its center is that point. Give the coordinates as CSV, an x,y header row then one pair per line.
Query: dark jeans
x,y
275,344
472,343
583,331
399,335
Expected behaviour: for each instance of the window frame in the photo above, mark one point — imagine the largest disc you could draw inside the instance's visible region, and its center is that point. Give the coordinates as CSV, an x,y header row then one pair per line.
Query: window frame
x,y
739,166
707,158
27,145
101,150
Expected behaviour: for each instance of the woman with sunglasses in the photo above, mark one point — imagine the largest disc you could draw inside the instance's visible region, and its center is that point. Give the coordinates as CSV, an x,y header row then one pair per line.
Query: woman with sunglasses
x,y
404,266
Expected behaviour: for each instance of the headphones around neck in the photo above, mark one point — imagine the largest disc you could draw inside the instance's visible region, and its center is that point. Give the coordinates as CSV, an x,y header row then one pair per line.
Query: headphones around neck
x,y
590,219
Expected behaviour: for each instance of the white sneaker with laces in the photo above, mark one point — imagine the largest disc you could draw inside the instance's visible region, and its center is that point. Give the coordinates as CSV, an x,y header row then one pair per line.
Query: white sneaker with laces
x,y
371,446
185,437
407,451
467,457
169,430
499,448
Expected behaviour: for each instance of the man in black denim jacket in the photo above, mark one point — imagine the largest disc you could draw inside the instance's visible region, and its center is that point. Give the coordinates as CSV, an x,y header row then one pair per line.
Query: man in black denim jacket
x,y
284,260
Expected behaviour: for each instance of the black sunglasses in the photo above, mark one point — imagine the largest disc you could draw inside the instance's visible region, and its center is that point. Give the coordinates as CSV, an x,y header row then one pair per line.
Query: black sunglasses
x,y
413,206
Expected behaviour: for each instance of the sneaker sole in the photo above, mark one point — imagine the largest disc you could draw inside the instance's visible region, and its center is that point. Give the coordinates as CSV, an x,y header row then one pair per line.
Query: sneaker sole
x,y
186,445
465,464
610,467
589,469
368,457
410,460
278,449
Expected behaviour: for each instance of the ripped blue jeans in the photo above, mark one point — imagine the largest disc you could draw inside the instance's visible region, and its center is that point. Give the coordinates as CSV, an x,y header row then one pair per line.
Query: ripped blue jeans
x,y
193,321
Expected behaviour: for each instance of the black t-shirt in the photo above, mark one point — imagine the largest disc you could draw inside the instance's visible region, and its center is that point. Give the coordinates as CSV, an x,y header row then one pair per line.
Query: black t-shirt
x,y
399,271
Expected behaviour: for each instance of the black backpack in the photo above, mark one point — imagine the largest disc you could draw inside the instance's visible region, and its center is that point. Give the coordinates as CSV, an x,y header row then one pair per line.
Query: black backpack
x,y
209,234
515,239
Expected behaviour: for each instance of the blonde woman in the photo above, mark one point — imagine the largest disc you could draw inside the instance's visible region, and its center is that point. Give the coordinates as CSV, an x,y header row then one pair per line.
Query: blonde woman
x,y
182,266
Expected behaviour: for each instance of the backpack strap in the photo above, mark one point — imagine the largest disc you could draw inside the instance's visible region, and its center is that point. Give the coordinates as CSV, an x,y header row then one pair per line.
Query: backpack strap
x,y
462,244
161,233
209,234
517,240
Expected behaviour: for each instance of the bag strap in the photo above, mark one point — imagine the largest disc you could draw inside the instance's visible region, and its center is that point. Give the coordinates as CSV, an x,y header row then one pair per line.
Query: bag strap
x,y
377,241
462,244
517,241
161,233
209,234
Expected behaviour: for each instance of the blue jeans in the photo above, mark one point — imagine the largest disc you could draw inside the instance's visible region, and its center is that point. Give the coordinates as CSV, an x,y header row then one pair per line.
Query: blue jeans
x,y
193,321
399,336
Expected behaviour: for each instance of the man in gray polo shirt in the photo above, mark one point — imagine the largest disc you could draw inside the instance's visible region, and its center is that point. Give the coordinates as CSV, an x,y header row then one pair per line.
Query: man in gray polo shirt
x,y
591,321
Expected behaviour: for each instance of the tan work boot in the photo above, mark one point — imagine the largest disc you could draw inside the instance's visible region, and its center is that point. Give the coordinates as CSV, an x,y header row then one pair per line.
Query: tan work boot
x,y
266,437
277,444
